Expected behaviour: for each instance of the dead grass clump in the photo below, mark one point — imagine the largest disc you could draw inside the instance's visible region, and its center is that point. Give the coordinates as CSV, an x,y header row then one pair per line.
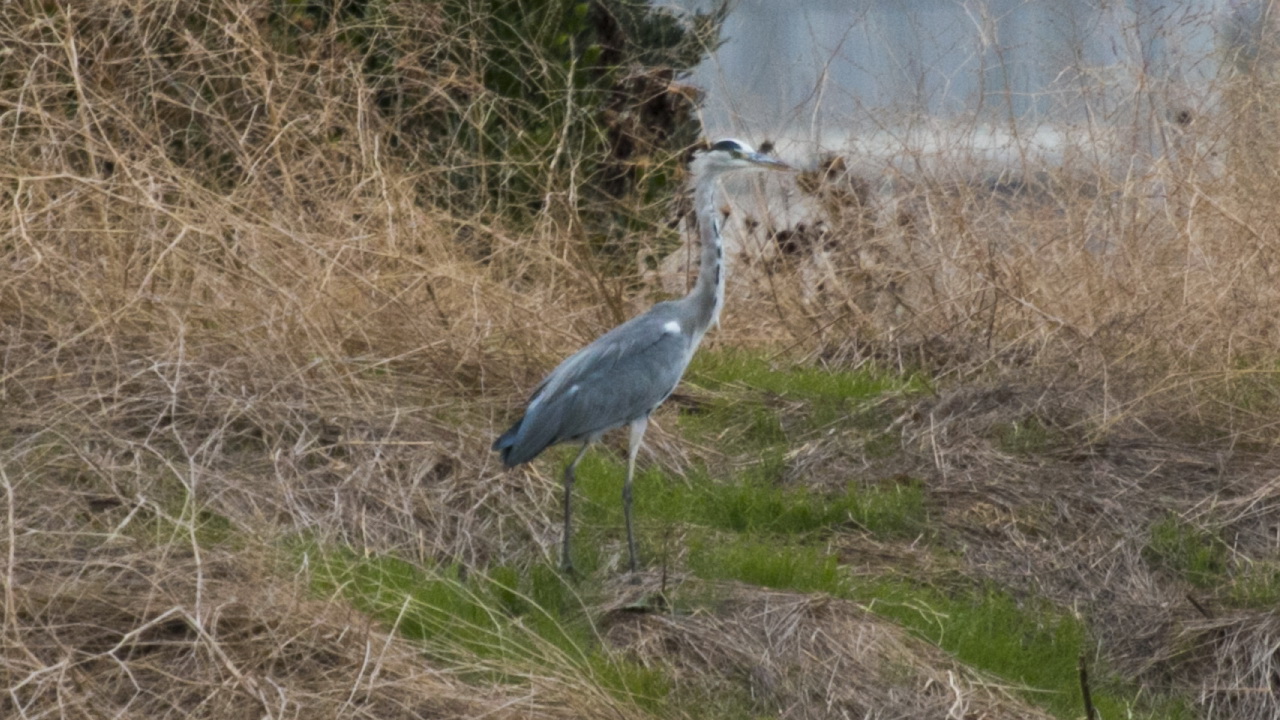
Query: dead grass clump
x,y
127,444
1233,661
799,656
134,633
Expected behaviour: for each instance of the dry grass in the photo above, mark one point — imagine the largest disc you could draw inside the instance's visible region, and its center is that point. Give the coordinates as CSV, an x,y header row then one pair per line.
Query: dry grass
x,y
233,317
1239,653
141,633
226,313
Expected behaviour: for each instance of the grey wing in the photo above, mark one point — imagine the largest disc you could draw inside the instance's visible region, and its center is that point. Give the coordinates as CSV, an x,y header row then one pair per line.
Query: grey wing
x,y
621,376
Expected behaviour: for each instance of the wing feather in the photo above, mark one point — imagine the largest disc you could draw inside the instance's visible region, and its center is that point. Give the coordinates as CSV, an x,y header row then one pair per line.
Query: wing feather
x,y
623,375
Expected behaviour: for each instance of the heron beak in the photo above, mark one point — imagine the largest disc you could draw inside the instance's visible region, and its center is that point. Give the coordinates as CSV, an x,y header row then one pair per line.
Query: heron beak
x,y
766,161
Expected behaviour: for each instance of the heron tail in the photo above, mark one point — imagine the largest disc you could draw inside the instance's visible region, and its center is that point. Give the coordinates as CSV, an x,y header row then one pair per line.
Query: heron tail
x,y
506,441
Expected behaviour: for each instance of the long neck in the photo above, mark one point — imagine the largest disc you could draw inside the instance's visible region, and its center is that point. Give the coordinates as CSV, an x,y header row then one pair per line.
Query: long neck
x,y
707,296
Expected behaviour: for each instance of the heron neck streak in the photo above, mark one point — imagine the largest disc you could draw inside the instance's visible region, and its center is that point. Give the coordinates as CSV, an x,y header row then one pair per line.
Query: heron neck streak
x,y
707,296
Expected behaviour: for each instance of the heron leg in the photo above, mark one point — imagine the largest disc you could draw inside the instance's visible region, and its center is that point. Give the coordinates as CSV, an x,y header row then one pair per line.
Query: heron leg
x,y
566,561
638,426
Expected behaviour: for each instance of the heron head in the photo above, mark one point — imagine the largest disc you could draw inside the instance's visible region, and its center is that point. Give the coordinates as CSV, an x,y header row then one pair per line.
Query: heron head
x,y
729,154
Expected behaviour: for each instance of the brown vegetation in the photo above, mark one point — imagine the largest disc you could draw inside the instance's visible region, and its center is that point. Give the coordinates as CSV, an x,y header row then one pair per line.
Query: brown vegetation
x,y
229,310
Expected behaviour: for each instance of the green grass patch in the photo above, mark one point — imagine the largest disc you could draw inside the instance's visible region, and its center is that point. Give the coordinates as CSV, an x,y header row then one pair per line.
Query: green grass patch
x,y
750,504
1201,557
1028,642
752,394
892,510
1194,553
505,624
767,564
1255,585
176,523
1026,436
730,367
743,425
1252,387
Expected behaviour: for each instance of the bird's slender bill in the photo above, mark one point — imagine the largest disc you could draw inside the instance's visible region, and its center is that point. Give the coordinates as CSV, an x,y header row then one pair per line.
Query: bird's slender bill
x,y
767,161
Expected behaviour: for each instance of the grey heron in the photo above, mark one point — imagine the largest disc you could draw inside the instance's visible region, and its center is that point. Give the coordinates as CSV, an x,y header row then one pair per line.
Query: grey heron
x,y
621,377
